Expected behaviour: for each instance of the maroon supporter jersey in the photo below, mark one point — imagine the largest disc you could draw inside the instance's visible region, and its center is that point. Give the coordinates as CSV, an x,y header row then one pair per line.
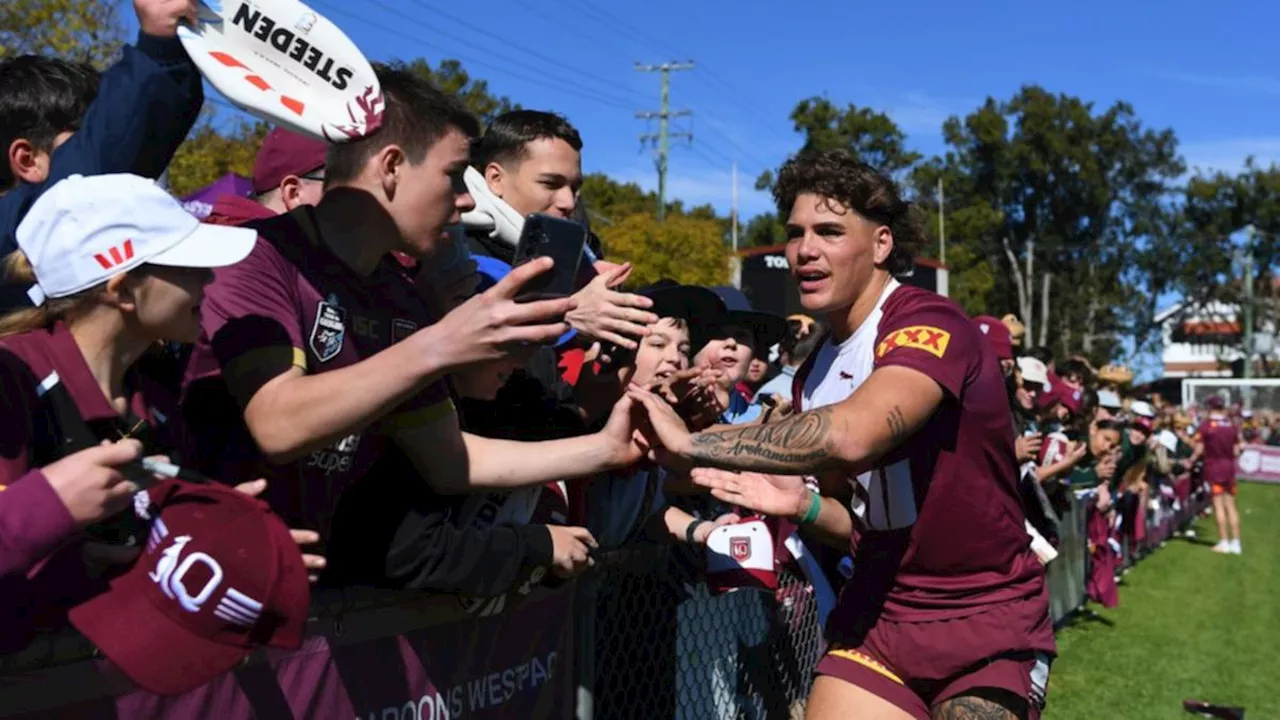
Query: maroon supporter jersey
x,y
940,531
1219,436
292,303
53,406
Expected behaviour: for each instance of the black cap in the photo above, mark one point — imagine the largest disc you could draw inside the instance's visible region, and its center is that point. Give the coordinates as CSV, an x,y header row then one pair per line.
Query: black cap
x,y
701,308
766,329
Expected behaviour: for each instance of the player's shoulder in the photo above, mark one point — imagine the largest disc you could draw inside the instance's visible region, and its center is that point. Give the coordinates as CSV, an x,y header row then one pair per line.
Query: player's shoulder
x,y
914,315
907,302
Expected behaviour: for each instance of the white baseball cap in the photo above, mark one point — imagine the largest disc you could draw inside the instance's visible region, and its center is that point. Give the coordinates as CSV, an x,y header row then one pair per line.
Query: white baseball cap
x,y
85,230
1142,408
1033,370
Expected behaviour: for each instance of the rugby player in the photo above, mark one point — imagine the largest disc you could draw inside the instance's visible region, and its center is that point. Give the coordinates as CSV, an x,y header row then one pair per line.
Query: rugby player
x,y
1220,439
904,422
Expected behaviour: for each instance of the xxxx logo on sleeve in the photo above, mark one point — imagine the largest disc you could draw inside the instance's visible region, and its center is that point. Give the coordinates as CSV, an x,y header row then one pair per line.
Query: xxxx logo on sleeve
x,y
919,337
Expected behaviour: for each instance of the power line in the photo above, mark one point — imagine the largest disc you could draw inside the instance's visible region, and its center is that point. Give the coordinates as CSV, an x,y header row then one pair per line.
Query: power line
x,y
726,90
534,53
583,91
712,162
736,147
664,134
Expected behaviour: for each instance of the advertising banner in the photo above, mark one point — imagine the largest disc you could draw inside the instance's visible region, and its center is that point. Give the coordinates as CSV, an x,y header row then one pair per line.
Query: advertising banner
x,y
517,664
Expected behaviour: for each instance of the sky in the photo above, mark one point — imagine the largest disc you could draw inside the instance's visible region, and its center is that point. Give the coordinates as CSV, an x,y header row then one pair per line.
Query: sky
x,y
1209,72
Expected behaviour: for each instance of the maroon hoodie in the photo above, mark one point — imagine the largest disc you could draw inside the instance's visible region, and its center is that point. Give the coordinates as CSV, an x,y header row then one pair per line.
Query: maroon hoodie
x,y
33,523
236,210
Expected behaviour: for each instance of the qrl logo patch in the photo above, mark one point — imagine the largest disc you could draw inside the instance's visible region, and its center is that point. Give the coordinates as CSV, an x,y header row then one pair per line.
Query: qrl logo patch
x,y
328,332
740,548
918,337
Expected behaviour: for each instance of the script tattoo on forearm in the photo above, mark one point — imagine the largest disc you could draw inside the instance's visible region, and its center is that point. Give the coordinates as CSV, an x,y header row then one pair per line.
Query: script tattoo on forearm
x,y
797,445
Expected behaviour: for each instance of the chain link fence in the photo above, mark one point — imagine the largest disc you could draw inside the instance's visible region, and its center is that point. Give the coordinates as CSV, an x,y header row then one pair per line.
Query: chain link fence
x,y
664,646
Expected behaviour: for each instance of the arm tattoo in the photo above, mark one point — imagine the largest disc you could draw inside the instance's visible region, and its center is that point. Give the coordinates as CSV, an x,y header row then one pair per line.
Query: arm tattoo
x,y
972,707
897,425
798,445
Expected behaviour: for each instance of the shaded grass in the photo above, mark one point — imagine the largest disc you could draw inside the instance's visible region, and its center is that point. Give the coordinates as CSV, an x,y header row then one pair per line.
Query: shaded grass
x,y
1191,624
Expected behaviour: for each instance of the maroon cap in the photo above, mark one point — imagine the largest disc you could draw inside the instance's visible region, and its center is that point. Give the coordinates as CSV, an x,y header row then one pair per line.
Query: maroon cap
x,y
285,153
1214,402
997,334
1062,394
1143,424
220,576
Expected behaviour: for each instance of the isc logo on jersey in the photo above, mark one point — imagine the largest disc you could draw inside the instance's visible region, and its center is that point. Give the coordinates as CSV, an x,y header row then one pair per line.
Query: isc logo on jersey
x,y
919,337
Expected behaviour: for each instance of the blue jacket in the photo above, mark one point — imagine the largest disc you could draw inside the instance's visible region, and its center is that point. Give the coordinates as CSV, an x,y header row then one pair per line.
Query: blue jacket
x,y
146,104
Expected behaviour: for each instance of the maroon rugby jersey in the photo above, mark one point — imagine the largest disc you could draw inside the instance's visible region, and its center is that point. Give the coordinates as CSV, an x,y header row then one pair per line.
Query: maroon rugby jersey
x,y
1219,436
939,528
293,303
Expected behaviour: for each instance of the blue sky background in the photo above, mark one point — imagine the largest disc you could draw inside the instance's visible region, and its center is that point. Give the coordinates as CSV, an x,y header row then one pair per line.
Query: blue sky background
x,y
1212,73
1209,71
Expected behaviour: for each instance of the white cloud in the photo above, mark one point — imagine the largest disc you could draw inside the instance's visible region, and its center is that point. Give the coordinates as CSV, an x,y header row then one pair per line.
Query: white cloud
x,y
1229,154
1254,84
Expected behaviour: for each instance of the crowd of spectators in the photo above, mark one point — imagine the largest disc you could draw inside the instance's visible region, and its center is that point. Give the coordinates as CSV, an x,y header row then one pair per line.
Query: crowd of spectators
x,y
345,349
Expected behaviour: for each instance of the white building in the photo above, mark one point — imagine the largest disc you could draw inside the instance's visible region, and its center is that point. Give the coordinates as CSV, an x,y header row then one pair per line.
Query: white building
x,y
1202,343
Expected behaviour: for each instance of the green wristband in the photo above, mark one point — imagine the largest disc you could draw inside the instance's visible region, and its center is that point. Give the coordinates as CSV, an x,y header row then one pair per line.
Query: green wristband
x,y
815,508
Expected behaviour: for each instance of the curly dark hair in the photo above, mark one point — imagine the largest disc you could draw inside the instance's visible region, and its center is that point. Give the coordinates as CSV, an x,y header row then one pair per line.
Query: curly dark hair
x,y
837,175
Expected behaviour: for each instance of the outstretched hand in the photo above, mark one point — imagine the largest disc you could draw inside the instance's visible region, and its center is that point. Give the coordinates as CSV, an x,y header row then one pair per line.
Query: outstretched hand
x,y
666,431
314,563
774,495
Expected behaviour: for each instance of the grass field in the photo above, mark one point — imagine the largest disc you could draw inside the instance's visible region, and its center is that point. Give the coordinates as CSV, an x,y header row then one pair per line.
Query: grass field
x,y
1191,624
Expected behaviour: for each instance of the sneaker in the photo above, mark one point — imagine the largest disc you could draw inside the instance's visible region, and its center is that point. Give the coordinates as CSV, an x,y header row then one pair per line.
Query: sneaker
x,y
1235,547
1223,546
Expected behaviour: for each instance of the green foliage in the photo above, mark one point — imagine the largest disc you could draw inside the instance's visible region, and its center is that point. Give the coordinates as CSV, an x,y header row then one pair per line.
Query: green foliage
x,y
870,136
453,79
763,230
689,250
210,153
80,30
609,200
1052,179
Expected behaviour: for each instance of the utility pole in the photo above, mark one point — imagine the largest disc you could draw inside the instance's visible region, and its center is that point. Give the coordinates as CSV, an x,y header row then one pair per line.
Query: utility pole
x,y
733,212
942,225
664,135
1250,233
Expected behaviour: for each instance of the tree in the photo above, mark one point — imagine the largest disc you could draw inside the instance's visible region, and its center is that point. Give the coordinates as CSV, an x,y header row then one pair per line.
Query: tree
x,y
1202,260
608,200
1053,193
686,249
208,154
453,79
79,30
764,230
870,136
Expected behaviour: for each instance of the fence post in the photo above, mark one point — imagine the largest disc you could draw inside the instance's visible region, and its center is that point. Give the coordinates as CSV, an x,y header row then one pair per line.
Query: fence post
x,y
584,638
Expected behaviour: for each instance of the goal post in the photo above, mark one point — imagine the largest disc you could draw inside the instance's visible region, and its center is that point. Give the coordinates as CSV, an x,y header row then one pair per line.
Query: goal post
x,y
1257,393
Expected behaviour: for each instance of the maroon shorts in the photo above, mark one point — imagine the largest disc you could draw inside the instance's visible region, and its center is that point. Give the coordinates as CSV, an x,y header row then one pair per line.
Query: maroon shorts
x,y
1220,474
918,665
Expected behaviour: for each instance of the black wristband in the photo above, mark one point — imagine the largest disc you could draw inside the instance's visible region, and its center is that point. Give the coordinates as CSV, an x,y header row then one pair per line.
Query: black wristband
x,y
688,532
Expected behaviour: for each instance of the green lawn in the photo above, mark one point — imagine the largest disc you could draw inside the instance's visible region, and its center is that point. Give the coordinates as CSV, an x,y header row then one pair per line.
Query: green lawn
x,y
1191,624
